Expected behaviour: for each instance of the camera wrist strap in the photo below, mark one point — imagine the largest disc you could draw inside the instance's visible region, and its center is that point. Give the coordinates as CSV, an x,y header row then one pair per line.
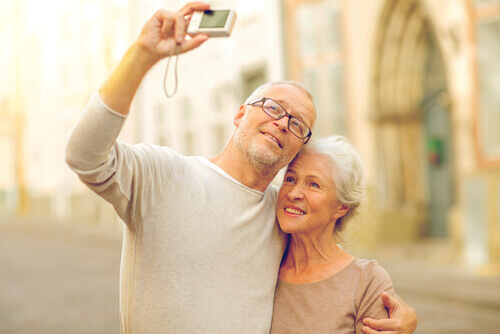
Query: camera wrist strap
x,y
175,50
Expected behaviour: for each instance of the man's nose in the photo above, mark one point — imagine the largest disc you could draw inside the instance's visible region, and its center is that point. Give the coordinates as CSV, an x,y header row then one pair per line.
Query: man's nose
x,y
282,124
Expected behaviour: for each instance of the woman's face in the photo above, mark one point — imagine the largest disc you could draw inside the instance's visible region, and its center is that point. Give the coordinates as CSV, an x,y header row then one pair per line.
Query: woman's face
x,y
307,200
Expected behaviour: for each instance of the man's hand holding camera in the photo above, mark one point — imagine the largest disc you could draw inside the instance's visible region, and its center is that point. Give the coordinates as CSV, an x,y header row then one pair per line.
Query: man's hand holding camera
x,y
166,30
160,37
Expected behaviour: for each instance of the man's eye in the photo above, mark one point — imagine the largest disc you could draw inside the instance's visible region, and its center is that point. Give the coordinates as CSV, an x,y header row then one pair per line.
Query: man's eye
x,y
289,179
299,127
273,109
314,185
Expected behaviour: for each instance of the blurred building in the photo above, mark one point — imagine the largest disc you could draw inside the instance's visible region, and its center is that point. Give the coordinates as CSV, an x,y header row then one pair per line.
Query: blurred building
x,y
58,54
55,55
412,82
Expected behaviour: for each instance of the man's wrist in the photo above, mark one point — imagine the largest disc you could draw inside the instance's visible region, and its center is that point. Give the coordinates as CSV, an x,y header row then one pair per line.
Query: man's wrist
x,y
118,91
142,56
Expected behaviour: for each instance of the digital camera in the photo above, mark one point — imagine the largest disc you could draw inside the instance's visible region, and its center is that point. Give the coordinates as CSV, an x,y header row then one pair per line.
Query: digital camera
x,y
212,22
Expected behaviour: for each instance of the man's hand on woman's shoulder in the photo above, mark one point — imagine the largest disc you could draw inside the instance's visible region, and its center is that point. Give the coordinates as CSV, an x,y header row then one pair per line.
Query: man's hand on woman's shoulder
x,y
402,318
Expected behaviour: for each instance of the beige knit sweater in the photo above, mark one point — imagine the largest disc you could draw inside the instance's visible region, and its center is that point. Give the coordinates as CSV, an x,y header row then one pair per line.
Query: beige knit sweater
x,y
336,305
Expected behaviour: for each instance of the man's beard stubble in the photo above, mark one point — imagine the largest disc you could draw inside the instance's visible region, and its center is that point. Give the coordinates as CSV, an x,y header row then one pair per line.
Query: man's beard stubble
x,y
259,157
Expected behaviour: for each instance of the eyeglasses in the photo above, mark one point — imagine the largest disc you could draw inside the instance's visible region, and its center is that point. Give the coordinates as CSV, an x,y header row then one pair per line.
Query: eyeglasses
x,y
276,111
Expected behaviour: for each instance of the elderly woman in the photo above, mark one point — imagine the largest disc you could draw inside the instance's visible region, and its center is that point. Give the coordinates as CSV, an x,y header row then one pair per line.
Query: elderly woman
x,y
322,288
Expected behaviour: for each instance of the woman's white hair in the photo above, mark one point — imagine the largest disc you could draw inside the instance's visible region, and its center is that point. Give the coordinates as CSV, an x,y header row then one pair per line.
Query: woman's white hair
x,y
347,171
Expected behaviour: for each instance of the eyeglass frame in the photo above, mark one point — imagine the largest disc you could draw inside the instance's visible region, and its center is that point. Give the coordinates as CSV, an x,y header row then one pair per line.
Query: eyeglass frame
x,y
286,114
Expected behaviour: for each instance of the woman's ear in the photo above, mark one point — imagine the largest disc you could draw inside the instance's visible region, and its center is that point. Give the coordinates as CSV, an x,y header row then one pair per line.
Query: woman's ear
x,y
239,115
343,209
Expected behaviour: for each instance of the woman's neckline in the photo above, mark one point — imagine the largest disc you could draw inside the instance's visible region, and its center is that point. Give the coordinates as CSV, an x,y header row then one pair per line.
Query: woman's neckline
x,y
349,264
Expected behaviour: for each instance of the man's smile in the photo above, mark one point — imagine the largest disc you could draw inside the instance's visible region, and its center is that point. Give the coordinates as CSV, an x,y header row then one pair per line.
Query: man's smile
x,y
273,138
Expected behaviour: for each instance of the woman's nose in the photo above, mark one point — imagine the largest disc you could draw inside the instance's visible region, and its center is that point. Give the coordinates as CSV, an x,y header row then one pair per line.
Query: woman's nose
x,y
295,193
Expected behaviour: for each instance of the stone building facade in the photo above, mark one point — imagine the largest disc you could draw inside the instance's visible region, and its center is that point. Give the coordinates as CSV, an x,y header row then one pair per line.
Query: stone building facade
x,y
414,83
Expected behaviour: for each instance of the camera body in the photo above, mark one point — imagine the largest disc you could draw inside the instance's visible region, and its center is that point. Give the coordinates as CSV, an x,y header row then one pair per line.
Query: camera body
x,y
212,22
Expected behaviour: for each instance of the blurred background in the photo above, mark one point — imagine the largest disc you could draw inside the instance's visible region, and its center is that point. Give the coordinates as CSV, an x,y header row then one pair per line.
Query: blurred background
x,y
415,84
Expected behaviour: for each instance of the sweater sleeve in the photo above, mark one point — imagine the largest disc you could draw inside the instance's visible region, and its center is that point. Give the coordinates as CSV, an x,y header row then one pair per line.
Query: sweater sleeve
x,y
375,281
120,173
93,137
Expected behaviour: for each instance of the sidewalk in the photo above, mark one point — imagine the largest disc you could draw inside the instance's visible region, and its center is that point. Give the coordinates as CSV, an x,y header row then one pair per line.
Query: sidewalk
x,y
76,233
448,297
430,268
59,279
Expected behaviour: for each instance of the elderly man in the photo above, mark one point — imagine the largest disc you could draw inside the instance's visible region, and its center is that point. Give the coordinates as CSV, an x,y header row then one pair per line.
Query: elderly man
x,y
201,248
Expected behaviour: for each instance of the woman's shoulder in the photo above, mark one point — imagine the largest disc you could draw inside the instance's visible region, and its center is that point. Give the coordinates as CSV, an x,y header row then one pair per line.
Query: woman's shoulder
x,y
371,271
373,281
366,264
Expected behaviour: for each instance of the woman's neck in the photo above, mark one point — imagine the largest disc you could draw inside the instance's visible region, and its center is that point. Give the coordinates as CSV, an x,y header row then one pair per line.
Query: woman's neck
x,y
312,259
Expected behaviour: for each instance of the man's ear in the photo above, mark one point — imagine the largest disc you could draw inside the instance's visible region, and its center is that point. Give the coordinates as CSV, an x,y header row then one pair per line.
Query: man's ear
x,y
239,115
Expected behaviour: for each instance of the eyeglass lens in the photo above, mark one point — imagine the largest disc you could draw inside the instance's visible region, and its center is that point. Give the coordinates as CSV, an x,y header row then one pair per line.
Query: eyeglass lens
x,y
277,112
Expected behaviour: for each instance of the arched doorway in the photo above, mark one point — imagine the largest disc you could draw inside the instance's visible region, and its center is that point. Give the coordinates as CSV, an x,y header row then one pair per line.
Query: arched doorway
x,y
412,118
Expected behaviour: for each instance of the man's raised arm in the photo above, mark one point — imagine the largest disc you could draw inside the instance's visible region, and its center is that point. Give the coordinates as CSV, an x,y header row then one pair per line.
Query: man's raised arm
x,y
95,134
159,37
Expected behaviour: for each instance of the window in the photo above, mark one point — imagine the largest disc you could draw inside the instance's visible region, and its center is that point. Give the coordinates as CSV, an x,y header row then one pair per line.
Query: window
x,y
335,99
483,2
253,79
189,143
186,110
316,59
488,76
220,136
488,42
161,125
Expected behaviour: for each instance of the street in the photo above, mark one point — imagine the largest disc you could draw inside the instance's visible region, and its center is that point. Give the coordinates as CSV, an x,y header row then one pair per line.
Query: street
x,y
60,280
55,281
447,297
446,301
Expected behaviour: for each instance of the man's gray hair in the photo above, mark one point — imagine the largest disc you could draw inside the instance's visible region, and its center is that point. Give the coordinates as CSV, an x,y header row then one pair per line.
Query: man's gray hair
x,y
257,92
347,171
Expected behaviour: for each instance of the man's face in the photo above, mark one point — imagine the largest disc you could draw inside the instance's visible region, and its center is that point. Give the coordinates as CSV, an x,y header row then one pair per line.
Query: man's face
x,y
267,141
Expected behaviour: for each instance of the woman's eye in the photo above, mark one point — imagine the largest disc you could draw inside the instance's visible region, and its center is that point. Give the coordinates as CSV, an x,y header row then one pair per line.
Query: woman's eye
x,y
314,185
289,179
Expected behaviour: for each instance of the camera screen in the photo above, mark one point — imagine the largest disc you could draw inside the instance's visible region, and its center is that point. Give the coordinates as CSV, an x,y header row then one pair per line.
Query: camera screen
x,y
214,19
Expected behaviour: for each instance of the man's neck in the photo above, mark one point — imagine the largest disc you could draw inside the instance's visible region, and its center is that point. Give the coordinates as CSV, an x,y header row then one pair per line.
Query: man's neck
x,y
241,169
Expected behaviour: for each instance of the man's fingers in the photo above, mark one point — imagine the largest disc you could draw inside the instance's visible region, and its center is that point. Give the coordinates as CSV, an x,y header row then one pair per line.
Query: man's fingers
x,y
194,42
382,324
388,301
368,330
180,22
398,322
180,28
191,7
172,24
166,20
